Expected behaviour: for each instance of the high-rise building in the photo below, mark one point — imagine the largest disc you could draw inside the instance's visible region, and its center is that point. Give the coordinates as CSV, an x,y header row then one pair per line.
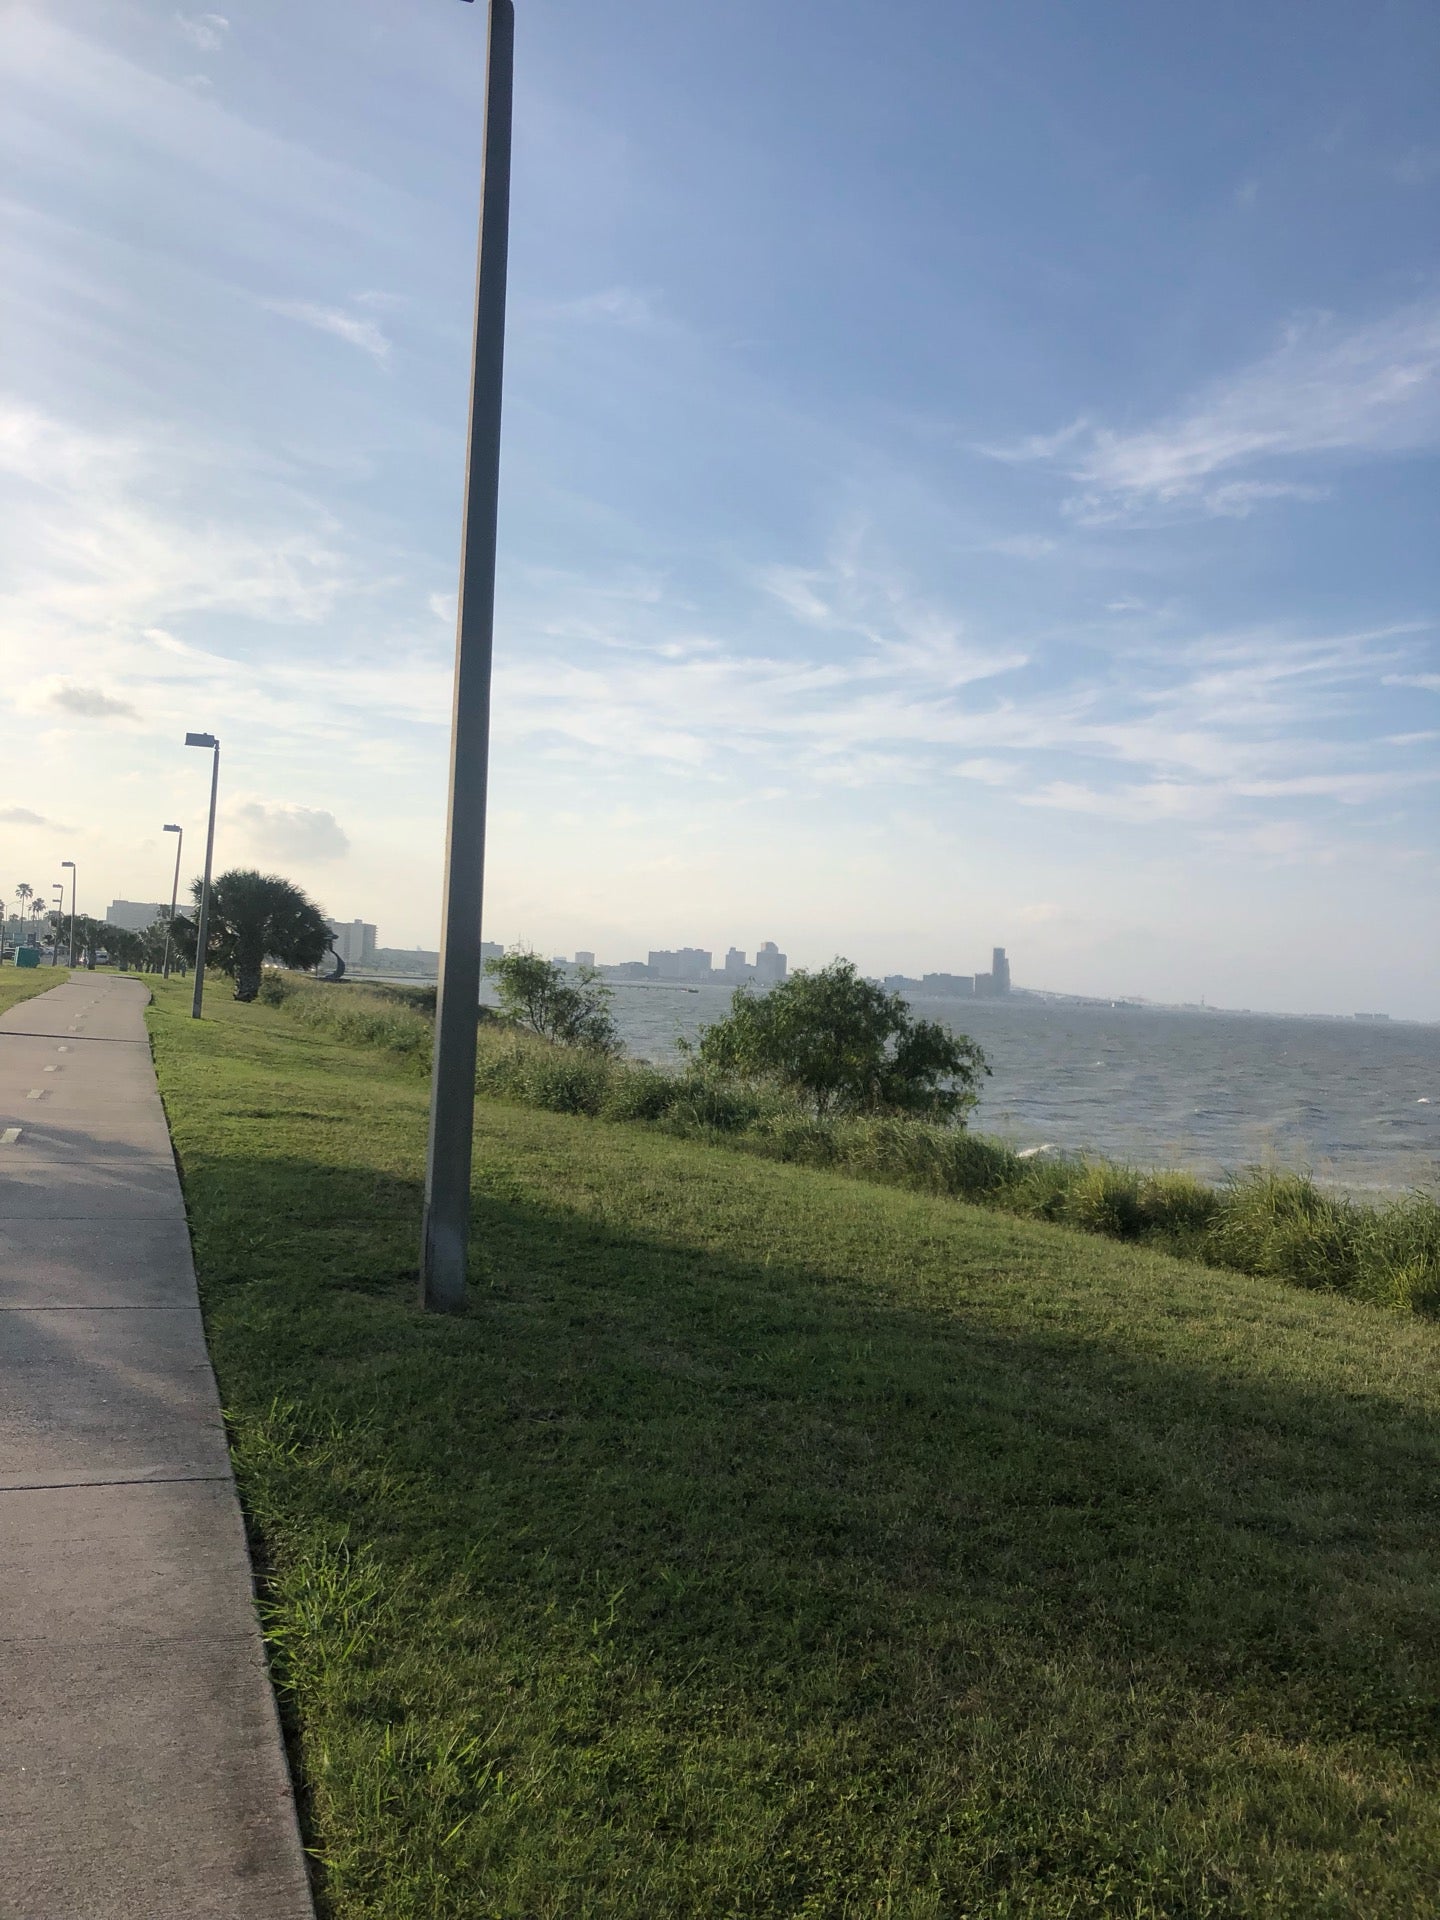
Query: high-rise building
x,y
354,941
683,963
136,915
771,965
583,959
999,972
737,967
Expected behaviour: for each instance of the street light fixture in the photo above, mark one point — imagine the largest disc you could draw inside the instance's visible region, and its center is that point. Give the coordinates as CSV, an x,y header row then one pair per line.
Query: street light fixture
x,y
202,929
71,865
446,1231
174,897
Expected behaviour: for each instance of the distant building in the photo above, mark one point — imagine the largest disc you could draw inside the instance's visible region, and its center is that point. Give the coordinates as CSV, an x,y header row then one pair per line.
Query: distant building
x,y
683,963
737,967
583,959
999,973
354,941
136,915
949,986
628,970
984,986
771,966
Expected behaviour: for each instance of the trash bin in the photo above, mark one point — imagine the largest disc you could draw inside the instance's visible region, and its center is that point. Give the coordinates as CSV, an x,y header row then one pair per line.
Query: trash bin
x,y
27,956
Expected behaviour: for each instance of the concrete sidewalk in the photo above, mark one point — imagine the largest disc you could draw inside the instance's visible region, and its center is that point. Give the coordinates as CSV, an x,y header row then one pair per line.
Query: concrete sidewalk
x,y
142,1774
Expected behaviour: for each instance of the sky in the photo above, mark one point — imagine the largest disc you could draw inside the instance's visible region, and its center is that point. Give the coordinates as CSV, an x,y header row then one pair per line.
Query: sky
x,y
970,476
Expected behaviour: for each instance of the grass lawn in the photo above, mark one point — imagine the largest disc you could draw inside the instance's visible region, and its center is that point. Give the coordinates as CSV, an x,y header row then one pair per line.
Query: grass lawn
x,y
767,1543
23,983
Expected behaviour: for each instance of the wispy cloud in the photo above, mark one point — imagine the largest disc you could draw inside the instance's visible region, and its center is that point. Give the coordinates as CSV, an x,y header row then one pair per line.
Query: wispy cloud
x,y
206,31
635,307
355,329
1326,390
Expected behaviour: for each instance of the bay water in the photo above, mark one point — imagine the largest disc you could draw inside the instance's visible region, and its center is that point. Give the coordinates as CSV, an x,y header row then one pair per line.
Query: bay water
x,y
1357,1103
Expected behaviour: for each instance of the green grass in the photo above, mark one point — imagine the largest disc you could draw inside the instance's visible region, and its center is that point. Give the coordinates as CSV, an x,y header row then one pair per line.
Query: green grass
x,y
1277,1222
23,983
765,1542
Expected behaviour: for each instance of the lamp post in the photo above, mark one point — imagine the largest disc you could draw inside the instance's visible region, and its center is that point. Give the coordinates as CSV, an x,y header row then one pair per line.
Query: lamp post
x,y
446,1230
202,929
71,865
58,886
174,897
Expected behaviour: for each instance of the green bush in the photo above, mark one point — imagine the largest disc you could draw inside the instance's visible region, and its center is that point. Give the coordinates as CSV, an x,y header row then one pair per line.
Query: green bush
x,y
640,1093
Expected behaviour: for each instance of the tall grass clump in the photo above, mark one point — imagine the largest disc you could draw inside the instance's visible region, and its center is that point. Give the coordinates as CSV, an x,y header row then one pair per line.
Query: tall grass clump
x,y
1281,1223
356,1014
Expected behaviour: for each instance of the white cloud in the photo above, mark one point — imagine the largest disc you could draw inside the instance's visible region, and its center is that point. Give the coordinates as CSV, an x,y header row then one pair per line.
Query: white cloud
x,y
1023,546
795,589
354,329
279,830
1039,446
1326,390
1237,499
1427,682
616,306
101,542
22,817
206,31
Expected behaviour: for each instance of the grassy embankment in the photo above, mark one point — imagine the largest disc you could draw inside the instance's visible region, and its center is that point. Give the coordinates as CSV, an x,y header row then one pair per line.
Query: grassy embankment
x,y
1274,1222
764,1542
23,983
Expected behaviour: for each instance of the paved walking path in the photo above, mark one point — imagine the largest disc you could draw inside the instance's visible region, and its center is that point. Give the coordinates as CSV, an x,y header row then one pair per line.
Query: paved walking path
x,y
142,1775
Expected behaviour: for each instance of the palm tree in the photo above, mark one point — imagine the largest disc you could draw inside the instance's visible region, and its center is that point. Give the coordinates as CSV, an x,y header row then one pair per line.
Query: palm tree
x,y
256,917
24,893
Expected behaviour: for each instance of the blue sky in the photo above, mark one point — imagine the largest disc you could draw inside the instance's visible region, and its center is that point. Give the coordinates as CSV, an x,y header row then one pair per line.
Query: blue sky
x,y
970,475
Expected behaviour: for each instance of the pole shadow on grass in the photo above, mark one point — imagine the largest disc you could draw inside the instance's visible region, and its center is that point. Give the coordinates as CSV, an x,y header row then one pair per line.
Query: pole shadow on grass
x,y
754,1560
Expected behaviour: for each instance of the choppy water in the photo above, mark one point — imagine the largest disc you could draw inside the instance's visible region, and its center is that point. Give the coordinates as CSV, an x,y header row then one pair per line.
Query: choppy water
x,y
1211,1092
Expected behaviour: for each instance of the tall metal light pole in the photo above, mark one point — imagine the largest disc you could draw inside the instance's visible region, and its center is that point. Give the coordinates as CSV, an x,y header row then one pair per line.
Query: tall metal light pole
x,y
174,898
202,929
73,877
446,1230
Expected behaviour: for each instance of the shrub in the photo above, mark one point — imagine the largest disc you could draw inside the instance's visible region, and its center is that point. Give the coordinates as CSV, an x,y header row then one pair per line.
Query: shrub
x,y
707,1103
570,1006
640,1093
838,1043
276,987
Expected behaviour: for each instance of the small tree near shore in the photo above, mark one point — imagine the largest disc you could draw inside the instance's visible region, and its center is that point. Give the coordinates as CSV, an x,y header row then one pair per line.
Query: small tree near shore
x,y
569,1005
841,1044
